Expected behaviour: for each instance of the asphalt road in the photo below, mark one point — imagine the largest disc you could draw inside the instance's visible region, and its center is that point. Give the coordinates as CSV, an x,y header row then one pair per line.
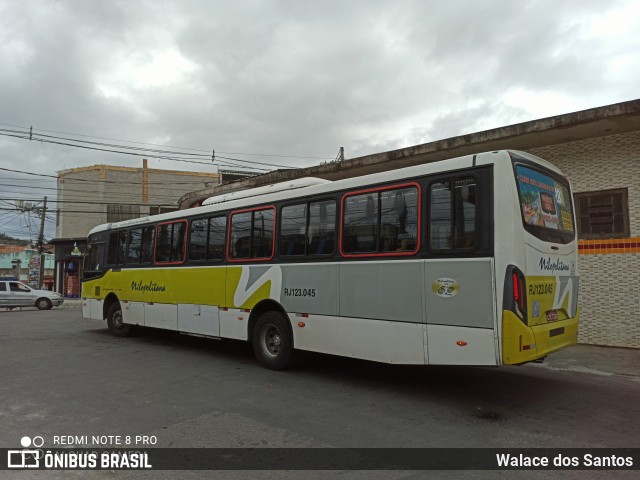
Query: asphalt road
x,y
62,375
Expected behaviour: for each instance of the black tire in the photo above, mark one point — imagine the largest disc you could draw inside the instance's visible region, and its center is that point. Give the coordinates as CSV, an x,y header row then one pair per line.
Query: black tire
x,y
273,341
114,321
43,303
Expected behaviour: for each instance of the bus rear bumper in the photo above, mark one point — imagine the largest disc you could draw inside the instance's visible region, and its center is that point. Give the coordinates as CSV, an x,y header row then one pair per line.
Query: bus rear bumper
x,y
522,344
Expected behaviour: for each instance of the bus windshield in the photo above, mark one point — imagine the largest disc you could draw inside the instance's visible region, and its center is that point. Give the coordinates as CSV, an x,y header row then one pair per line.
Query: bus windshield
x,y
545,203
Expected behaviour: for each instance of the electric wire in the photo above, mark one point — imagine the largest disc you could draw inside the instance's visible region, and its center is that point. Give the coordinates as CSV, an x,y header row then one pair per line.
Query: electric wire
x,y
166,146
139,152
71,201
160,157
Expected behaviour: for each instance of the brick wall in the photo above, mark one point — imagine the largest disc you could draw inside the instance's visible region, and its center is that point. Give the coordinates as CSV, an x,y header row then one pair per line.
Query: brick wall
x,y
609,282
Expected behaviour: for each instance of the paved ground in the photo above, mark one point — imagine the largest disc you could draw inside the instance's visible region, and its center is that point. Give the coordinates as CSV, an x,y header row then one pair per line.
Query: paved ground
x,y
62,375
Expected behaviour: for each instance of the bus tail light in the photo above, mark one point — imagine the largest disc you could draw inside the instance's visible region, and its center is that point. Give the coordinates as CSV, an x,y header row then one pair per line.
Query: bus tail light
x,y
515,293
518,290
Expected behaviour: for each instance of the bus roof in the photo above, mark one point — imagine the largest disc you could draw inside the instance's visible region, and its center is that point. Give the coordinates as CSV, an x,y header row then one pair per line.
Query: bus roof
x,y
314,186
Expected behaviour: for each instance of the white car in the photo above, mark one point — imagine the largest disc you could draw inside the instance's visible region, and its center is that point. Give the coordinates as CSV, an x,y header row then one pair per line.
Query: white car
x,y
17,294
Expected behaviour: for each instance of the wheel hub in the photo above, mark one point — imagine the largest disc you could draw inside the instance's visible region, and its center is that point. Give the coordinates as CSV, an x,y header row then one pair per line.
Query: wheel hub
x,y
271,340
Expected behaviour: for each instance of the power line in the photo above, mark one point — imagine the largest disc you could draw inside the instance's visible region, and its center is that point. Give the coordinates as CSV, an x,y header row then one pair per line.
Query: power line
x,y
88,180
146,152
11,219
61,211
33,187
71,201
84,180
131,196
169,146
146,155
179,191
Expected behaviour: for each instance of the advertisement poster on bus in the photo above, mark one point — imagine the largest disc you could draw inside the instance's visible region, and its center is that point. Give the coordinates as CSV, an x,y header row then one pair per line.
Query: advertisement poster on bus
x,y
544,200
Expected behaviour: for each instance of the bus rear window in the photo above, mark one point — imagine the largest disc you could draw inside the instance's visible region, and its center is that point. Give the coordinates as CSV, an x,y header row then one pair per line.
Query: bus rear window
x,y
545,204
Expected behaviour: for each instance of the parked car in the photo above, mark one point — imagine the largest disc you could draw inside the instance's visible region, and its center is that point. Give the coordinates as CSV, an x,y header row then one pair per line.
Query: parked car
x,y
17,294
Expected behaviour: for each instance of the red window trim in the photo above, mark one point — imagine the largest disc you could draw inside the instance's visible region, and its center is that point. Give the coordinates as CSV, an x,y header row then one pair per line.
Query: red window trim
x,y
382,189
184,243
273,237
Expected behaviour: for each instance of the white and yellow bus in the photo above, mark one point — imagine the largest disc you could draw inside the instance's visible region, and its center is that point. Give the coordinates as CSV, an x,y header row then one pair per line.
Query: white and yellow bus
x,y
467,261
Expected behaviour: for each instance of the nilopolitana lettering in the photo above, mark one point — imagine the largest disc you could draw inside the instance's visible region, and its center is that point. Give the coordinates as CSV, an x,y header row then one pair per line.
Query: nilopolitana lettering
x,y
547,264
147,287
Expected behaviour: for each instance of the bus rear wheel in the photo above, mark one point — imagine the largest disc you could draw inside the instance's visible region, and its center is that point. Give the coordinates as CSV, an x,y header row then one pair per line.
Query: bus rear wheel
x,y
273,341
115,321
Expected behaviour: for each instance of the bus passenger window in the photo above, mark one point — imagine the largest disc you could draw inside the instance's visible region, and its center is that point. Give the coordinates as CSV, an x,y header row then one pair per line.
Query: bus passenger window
x,y
252,234
452,217
94,258
170,247
240,244
217,238
360,223
198,239
399,220
321,236
293,226
381,222
440,216
464,213
112,252
148,234
135,245
262,235
117,248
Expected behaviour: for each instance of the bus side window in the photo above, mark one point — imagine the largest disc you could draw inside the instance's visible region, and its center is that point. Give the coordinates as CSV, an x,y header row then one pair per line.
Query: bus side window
x,y
464,191
217,238
207,238
382,222
112,252
452,214
360,223
198,239
308,229
135,245
148,235
399,220
171,236
94,259
117,248
252,234
240,239
321,236
262,234
440,216
293,223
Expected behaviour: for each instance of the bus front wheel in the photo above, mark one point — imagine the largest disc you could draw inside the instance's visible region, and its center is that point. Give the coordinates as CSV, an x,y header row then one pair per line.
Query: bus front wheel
x,y
273,341
115,322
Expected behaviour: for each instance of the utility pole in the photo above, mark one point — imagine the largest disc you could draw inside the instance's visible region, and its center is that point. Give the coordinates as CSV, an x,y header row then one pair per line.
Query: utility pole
x,y
41,243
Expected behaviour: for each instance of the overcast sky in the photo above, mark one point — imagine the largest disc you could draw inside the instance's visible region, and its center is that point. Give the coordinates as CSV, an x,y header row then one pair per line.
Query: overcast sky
x,y
295,78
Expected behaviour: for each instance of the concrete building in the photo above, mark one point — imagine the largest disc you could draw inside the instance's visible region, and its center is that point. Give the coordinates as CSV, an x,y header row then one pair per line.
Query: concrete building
x,y
599,150
90,196
16,262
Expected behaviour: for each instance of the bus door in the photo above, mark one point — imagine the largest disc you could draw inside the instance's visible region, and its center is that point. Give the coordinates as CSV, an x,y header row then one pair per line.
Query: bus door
x,y
459,271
